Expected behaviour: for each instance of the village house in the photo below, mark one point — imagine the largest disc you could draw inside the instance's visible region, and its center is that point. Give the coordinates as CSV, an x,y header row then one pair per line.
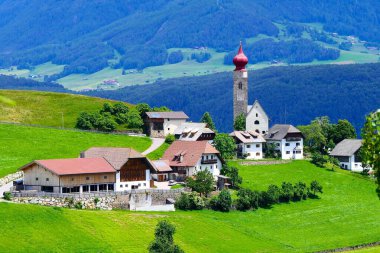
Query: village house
x,y
76,175
161,124
287,140
133,170
347,152
163,171
186,158
249,144
191,131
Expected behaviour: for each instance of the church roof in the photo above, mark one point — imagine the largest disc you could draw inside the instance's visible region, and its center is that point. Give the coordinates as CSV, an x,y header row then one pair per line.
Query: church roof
x,y
240,60
256,103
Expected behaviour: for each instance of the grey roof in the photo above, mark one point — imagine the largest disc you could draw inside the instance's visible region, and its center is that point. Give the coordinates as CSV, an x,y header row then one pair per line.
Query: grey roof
x,y
248,136
347,147
189,126
167,115
117,157
162,165
190,131
278,132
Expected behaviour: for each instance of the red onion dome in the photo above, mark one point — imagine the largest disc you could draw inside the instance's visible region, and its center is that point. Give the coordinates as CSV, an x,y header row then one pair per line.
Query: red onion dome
x,y
240,60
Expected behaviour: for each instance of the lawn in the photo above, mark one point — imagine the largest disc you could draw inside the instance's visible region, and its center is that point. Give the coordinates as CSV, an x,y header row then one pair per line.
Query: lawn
x,y
46,108
20,144
158,153
346,214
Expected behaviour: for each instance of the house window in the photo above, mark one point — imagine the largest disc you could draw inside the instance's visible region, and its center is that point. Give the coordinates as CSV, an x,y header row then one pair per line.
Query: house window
x,y
105,177
240,86
277,144
144,184
121,186
263,132
87,178
258,154
168,128
47,179
93,188
297,144
287,152
248,146
287,144
139,184
110,187
257,145
257,122
85,188
72,179
257,131
36,178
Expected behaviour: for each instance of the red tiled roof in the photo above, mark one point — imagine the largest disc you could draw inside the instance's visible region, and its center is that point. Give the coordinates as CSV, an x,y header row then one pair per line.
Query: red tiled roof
x,y
190,150
73,166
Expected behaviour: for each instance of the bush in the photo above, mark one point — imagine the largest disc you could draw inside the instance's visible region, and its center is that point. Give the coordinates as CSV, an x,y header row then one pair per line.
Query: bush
x,y
7,196
190,201
287,192
169,139
319,159
315,187
96,200
300,191
244,201
222,202
69,201
78,205
255,199
265,199
164,241
183,202
274,193
233,174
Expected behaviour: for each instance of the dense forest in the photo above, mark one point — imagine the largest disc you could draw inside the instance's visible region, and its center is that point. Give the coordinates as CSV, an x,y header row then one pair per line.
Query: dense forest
x,y
295,94
13,83
86,35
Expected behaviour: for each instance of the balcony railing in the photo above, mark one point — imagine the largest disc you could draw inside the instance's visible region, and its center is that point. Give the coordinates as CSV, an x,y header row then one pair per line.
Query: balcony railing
x,y
209,161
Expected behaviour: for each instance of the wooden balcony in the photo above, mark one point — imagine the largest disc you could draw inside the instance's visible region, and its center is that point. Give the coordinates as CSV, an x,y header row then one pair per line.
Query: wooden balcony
x,y
209,161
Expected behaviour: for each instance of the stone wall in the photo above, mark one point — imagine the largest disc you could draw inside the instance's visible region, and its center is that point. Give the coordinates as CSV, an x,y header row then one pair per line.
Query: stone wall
x,y
131,200
11,177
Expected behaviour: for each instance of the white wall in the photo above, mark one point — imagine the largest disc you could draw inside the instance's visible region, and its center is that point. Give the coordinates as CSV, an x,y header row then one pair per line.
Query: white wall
x,y
352,165
287,151
213,168
257,114
251,150
123,186
170,125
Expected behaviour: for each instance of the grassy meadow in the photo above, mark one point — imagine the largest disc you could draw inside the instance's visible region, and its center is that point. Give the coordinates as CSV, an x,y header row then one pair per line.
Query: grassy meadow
x,y
346,214
20,145
45,108
158,153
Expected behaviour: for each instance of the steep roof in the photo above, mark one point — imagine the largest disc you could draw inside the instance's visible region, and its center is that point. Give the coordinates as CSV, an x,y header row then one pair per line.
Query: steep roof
x,y
167,115
278,132
256,103
74,166
248,136
347,147
189,126
190,131
117,157
191,152
162,165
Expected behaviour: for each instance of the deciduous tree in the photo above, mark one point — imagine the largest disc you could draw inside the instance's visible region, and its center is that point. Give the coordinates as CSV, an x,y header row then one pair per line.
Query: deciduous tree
x,y
206,118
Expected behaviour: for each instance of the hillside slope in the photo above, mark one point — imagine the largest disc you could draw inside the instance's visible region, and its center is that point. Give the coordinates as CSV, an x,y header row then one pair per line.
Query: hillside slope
x,y
45,108
20,145
293,95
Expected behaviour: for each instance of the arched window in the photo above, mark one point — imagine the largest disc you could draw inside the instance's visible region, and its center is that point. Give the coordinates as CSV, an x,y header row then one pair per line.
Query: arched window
x,y
257,122
240,86
257,131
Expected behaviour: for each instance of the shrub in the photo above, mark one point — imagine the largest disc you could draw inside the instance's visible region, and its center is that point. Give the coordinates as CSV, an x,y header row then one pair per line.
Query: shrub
x,y
315,187
96,200
287,192
203,182
233,174
69,201
163,241
300,191
243,202
319,159
169,139
274,193
265,199
78,205
7,196
183,202
222,202
255,199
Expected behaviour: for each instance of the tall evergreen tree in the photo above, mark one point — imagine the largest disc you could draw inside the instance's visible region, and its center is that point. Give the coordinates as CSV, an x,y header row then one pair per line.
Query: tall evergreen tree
x,y
206,118
239,124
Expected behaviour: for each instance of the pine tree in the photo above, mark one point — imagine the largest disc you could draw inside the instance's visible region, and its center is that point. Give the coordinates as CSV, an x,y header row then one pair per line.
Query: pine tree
x,y
206,118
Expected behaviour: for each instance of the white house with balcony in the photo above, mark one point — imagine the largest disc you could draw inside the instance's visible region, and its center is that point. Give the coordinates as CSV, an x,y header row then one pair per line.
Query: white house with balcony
x,y
287,139
249,144
186,158
347,152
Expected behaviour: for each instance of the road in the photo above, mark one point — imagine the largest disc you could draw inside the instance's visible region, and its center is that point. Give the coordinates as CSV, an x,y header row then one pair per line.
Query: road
x,y
156,143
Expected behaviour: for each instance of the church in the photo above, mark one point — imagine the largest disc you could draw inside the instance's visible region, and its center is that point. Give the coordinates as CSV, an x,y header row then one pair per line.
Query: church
x,y
287,140
256,118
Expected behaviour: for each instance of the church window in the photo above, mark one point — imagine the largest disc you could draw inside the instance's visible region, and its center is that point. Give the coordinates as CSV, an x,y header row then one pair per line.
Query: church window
x,y
257,115
257,131
240,86
257,123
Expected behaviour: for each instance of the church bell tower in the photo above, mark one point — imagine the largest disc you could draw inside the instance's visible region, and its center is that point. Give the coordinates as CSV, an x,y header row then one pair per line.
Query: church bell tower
x,y
240,83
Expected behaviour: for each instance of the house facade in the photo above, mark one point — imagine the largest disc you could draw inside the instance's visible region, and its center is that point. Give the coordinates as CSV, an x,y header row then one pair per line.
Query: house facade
x,y
75,175
257,119
249,144
161,124
133,170
287,140
186,158
347,153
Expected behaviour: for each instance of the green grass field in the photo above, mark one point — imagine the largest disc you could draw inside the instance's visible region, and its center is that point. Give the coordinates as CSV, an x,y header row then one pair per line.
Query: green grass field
x,y
45,108
158,153
346,214
20,145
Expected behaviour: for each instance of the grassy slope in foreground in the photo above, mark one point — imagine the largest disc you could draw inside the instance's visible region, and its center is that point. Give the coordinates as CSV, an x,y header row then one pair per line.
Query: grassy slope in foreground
x,y
46,108
347,214
20,145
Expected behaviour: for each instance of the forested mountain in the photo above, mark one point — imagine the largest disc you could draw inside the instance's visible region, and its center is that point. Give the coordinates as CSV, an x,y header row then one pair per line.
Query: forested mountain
x,y
90,35
293,94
